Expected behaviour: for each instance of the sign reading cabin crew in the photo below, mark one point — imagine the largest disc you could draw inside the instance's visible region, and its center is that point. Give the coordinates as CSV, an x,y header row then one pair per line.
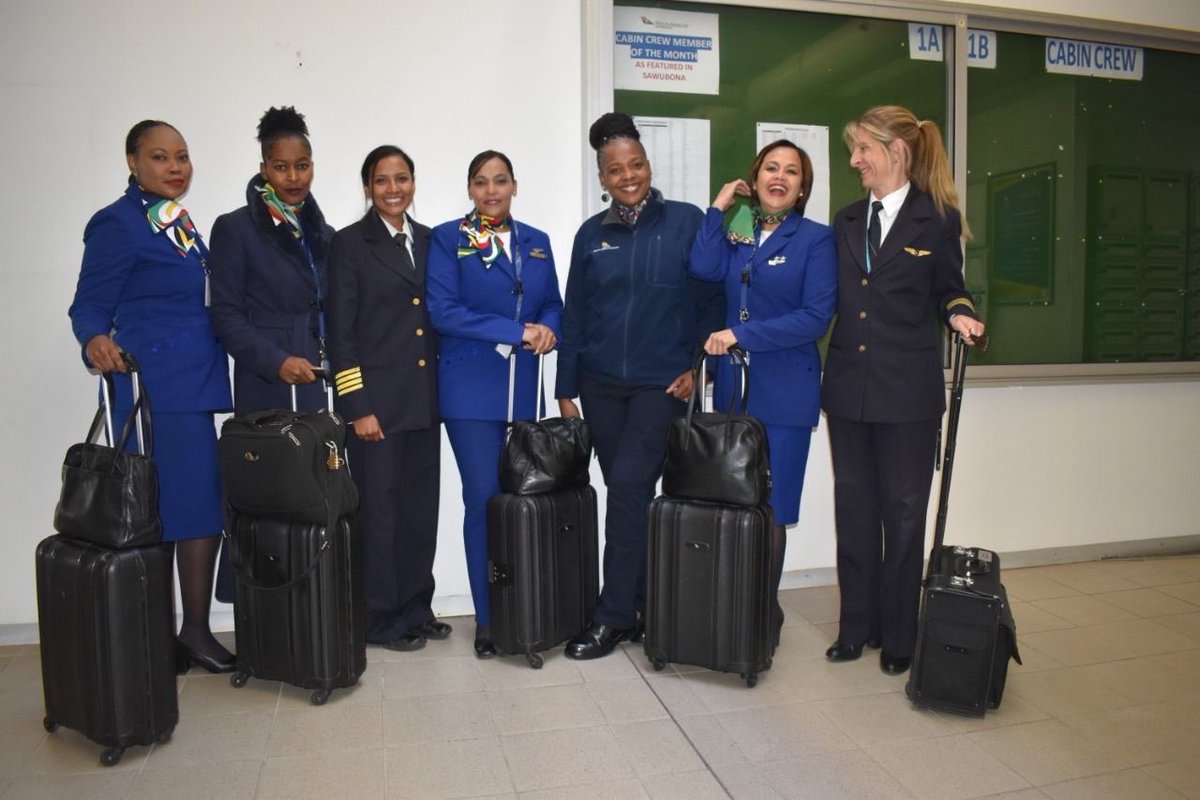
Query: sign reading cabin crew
x,y
656,50
1094,59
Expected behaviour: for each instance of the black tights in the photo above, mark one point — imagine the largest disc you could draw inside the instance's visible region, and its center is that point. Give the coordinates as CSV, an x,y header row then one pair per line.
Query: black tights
x,y
195,560
778,547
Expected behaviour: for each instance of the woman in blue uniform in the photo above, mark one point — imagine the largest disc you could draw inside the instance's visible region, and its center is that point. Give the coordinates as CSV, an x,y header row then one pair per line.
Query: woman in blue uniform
x,y
631,323
384,353
493,295
268,274
141,289
899,273
780,276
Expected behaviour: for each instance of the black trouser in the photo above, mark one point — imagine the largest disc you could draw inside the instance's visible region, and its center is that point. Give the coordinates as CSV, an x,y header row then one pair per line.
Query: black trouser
x,y
881,478
629,429
398,482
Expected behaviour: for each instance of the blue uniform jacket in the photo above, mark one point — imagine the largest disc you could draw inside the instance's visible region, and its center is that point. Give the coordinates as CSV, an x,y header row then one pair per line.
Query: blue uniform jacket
x,y
633,316
474,308
264,300
885,354
791,295
135,286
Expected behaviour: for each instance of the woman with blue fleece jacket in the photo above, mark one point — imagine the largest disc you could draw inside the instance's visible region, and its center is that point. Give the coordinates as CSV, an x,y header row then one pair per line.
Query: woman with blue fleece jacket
x,y
632,321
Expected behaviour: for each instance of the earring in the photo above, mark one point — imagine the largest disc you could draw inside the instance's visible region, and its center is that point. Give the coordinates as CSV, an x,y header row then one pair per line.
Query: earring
x,y
604,198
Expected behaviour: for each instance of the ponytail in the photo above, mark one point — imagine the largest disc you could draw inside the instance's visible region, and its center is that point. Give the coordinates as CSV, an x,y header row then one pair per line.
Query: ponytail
x,y
925,158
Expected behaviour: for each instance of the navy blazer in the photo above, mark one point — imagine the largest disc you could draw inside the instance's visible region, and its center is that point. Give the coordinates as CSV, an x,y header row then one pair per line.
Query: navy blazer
x,y
265,300
136,286
474,308
381,344
791,295
885,355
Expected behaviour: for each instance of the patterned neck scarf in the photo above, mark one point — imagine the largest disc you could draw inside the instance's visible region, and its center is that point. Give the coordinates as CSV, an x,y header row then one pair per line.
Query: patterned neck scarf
x,y
479,235
740,229
763,218
629,214
281,212
170,217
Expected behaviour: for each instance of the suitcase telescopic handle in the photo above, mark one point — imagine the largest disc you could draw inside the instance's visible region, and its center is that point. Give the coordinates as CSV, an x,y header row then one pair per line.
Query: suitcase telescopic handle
x,y
139,418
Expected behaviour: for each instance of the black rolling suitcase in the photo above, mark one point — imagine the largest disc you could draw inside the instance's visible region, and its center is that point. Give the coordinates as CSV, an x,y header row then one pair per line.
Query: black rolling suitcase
x,y
106,619
708,602
299,606
543,568
966,633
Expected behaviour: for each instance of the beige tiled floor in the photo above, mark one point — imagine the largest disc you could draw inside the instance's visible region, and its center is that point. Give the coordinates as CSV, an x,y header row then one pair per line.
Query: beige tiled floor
x,y
1107,705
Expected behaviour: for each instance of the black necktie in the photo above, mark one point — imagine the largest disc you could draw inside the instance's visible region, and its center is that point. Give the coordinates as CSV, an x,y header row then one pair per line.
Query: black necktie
x,y
873,229
401,240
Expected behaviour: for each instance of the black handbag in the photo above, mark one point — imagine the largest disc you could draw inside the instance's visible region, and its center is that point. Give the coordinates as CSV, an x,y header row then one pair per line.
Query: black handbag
x,y
543,455
718,457
287,465
109,496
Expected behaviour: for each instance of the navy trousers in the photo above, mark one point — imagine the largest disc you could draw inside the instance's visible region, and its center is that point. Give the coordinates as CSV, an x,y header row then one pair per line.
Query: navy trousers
x,y
629,429
398,484
477,445
881,478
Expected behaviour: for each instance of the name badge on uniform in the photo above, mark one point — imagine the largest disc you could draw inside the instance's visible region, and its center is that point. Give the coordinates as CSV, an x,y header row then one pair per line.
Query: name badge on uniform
x,y
776,261
538,252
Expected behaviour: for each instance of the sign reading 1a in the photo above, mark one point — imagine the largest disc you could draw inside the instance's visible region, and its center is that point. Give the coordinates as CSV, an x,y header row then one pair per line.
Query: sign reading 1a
x,y
928,43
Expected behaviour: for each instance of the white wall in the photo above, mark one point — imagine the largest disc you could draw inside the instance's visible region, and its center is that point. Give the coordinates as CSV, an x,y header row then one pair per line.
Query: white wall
x,y
1038,467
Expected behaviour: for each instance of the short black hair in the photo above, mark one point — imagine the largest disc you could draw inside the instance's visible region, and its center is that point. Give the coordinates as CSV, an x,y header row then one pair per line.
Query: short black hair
x,y
487,155
133,139
281,123
379,154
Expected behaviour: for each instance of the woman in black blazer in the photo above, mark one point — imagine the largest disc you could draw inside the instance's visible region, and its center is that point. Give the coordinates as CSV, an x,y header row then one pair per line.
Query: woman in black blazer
x,y
384,355
899,272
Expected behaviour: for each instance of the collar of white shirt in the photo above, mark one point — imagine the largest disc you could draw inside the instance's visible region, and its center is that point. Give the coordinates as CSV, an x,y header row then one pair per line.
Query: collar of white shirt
x,y
408,235
891,208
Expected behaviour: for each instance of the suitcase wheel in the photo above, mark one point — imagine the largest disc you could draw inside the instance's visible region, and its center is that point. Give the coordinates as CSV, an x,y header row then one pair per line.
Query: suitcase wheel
x,y
658,664
751,679
535,660
320,696
111,756
49,724
238,679
165,736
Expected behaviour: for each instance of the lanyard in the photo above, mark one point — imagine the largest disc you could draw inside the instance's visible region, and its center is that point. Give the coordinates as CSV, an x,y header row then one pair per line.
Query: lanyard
x,y
312,265
744,311
867,242
516,260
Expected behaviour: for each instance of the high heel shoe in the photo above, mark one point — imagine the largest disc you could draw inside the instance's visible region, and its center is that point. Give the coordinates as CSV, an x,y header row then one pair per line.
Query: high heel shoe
x,y
186,657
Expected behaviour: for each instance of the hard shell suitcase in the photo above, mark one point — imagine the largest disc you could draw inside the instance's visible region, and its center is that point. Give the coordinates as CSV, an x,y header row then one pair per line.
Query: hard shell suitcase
x,y
709,601
966,633
106,619
543,568
299,606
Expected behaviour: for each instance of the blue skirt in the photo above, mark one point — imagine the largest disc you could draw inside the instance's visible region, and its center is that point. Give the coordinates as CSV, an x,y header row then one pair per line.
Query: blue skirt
x,y
189,476
789,456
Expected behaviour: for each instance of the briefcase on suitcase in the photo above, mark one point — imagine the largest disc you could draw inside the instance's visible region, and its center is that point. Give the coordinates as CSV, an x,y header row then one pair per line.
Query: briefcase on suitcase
x,y
107,628
708,602
543,568
299,606
966,633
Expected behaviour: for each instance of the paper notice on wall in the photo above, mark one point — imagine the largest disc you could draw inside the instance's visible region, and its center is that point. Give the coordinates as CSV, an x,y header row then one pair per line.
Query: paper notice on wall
x,y
679,153
657,50
814,140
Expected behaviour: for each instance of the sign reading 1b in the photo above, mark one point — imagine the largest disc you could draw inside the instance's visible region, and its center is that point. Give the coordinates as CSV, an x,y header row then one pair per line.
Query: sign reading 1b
x,y
928,43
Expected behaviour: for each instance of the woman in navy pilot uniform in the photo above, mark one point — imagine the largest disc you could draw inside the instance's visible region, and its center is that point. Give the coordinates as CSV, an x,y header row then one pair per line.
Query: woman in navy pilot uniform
x,y
493,295
141,289
268,274
899,273
384,356
780,276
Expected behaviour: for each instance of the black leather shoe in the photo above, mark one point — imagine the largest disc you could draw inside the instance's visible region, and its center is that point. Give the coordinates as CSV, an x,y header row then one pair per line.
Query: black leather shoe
x,y
894,665
186,657
840,651
484,648
406,643
435,630
638,636
596,641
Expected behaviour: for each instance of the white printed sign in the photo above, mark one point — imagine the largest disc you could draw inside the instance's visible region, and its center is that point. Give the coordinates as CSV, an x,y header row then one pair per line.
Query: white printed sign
x,y
656,50
928,43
